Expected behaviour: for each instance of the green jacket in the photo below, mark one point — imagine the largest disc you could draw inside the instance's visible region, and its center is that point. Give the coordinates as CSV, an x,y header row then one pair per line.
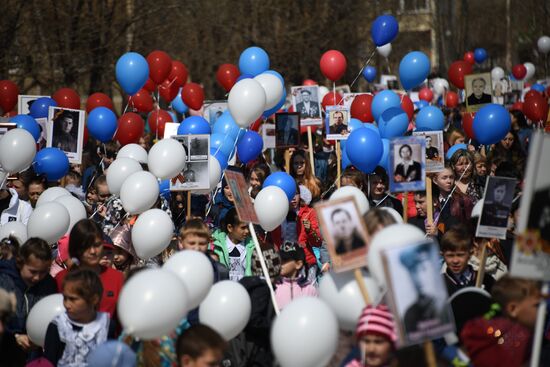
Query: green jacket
x,y
220,249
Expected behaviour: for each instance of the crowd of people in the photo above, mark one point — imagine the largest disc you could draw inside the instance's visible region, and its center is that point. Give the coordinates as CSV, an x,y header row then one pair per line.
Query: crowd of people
x,y
90,265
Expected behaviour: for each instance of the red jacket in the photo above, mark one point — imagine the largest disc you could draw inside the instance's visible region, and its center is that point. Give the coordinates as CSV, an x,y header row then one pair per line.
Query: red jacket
x,y
311,238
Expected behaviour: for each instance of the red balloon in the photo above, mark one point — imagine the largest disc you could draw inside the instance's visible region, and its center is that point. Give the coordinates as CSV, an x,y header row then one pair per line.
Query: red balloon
x,y
426,94
451,99
227,75
157,119
67,98
517,106
11,113
86,135
130,128
256,124
407,105
309,82
160,65
467,124
98,100
168,90
333,64
470,58
178,74
531,93
361,108
150,85
457,71
142,101
535,108
192,95
8,95
519,71
330,99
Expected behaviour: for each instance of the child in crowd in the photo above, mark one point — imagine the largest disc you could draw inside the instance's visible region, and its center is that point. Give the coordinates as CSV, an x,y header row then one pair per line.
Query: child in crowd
x,y
200,346
456,248
73,183
256,178
293,282
73,334
124,256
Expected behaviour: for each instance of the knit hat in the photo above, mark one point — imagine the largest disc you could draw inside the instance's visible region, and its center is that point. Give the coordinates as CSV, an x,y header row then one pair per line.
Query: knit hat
x,y
292,251
376,320
305,194
272,262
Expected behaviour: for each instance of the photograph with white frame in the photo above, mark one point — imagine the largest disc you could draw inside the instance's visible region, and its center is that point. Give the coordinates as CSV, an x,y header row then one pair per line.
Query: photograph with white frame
x,y
24,102
435,154
65,130
306,101
213,110
195,175
497,203
336,122
407,164
478,90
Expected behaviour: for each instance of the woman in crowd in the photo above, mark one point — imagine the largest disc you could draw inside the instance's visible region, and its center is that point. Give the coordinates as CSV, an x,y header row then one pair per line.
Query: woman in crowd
x,y
300,169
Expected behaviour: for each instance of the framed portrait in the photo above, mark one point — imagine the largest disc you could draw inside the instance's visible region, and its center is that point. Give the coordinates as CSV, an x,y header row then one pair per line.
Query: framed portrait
x,y
497,202
389,81
195,175
407,164
287,130
243,203
531,251
435,155
343,89
306,102
268,136
213,110
170,129
344,230
65,130
478,90
24,103
417,292
336,122
43,124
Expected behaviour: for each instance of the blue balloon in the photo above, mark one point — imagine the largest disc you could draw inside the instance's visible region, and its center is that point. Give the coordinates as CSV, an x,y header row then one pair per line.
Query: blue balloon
x,y
281,103
371,126
132,72
354,124
173,115
223,143
40,107
413,69
164,189
254,60
480,55
393,123
455,148
222,158
28,123
364,149
345,160
250,146
384,29
102,124
430,118
385,160
421,104
194,125
225,125
284,181
491,124
244,76
382,101
369,73
178,104
538,87
52,162
112,353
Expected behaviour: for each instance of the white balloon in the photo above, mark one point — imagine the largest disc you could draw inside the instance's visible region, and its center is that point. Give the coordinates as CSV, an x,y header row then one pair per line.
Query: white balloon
x,y
214,172
74,207
119,171
360,197
152,304
497,73
49,222
384,50
51,194
440,85
15,229
273,89
233,299
271,206
543,44
17,150
530,70
341,292
166,158
300,338
139,192
246,102
196,272
133,151
323,91
40,316
152,233
394,213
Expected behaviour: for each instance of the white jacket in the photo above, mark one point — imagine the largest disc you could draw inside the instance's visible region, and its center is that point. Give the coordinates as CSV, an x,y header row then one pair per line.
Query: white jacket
x,y
18,210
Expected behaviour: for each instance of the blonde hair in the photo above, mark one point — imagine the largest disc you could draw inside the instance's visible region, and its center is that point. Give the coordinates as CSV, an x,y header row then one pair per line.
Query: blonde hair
x,y
195,227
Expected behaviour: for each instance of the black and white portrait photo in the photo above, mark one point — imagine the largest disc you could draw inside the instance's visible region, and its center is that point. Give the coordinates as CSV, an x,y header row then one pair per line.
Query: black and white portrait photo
x,y
306,102
287,127
337,121
435,157
66,132
497,202
417,292
195,174
478,89
407,164
344,230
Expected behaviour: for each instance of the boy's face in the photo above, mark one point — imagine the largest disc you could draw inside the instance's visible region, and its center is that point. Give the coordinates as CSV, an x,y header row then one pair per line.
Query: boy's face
x,y
420,205
209,358
378,350
193,242
525,311
457,260
34,270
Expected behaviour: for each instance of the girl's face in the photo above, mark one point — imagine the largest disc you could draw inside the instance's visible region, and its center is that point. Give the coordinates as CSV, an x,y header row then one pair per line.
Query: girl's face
x,y
239,232
193,242
78,309
481,168
299,165
91,197
378,350
93,254
295,202
463,166
405,153
290,268
507,141
460,140
227,193
254,180
120,256
445,180
107,258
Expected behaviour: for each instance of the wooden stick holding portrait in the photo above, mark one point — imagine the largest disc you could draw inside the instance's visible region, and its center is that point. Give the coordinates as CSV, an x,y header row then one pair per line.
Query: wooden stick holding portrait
x,y
338,163
311,150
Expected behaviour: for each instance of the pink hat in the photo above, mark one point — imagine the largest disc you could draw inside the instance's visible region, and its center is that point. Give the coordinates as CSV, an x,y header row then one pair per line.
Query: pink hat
x,y
376,320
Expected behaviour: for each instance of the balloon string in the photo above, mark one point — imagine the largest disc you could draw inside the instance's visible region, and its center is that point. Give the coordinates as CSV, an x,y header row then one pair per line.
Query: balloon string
x,y
103,205
158,115
363,68
128,103
120,221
